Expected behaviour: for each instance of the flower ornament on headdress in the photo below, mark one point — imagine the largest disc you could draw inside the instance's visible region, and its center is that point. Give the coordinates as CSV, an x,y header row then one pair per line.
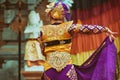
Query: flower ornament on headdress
x,y
59,9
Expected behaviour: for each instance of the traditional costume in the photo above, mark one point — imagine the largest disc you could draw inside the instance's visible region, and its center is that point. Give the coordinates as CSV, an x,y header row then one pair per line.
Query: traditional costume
x,y
56,38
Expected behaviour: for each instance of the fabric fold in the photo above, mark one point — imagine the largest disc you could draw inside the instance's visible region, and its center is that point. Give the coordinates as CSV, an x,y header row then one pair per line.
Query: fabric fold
x,y
101,65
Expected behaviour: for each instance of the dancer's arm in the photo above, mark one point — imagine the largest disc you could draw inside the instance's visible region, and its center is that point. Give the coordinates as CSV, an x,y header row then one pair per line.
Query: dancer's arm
x,y
87,29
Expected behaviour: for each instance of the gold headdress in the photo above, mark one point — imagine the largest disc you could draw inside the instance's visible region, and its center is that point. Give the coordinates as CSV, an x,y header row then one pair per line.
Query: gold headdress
x,y
59,9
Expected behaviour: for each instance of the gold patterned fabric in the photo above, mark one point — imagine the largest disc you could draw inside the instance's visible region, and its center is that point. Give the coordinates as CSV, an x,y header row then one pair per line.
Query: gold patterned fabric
x,y
57,12
58,60
60,53
56,32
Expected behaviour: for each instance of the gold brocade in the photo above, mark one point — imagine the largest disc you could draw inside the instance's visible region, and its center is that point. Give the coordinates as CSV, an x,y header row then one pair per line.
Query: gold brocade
x,y
58,60
60,53
56,32
63,47
57,12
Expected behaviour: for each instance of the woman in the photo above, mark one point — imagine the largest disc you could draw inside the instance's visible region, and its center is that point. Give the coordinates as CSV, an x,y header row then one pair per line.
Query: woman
x,y
57,45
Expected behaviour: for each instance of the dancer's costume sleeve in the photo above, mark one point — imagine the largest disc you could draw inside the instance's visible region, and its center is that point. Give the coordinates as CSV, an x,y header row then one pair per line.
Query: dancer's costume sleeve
x,y
87,29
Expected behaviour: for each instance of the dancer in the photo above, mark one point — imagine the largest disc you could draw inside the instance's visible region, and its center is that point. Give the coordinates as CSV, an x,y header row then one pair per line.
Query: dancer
x,y
56,38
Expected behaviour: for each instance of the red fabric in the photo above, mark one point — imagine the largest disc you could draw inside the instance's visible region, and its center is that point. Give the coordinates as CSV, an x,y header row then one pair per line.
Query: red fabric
x,y
106,14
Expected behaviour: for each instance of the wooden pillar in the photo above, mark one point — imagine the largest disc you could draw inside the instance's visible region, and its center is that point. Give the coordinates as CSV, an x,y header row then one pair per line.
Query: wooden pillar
x,y
19,39
32,75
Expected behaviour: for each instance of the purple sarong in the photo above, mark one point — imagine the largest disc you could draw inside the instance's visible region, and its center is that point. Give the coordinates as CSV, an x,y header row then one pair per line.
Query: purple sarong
x,y
100,66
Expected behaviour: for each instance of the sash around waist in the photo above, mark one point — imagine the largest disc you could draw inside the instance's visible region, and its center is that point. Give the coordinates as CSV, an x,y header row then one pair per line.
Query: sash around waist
x,y
57,42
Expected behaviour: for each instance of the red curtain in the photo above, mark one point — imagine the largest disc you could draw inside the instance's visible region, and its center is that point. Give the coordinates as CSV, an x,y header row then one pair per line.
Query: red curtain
x,y
97,12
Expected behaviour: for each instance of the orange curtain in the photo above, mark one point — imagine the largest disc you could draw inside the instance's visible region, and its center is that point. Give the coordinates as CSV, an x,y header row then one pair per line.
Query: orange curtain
x,y
105,13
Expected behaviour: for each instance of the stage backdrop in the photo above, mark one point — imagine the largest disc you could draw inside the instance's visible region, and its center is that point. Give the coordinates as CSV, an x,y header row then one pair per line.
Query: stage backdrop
x,y
97,12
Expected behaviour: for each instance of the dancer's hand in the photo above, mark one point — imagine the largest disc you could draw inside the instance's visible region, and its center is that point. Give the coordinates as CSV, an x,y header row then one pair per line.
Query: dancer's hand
x,y
110,34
